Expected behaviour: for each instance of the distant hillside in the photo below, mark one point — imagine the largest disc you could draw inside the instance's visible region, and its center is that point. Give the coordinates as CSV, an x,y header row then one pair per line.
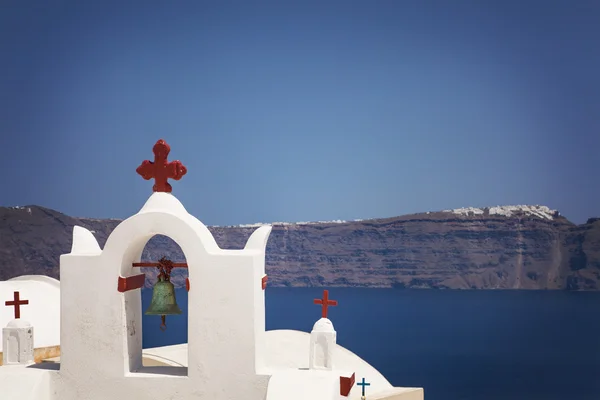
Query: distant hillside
x,y
518,247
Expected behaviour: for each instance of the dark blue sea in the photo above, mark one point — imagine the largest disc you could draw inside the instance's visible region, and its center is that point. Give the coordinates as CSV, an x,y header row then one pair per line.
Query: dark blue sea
x,y
458,345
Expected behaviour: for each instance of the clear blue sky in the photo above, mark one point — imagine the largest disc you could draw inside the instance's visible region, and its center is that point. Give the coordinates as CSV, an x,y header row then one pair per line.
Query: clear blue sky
x,y
302,110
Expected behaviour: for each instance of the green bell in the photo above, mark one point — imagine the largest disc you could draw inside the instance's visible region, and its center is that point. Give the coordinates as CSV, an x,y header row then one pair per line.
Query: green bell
x,y
163,300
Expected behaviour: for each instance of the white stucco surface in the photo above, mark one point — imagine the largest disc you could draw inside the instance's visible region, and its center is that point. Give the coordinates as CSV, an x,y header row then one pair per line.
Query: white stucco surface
x,y
43,310
17,340
25,383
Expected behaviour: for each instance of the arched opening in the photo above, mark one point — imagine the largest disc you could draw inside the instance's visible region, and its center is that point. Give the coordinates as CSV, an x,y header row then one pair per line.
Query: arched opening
x,y
176,333
14,348
152,336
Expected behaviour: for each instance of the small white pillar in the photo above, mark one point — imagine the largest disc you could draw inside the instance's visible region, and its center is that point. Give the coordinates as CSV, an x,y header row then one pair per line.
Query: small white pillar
x,y
322,342
17,343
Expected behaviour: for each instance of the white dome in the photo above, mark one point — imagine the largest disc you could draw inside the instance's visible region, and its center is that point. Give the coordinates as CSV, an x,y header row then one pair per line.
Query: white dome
x,y
37,278
18,323
323,325
42,312
285,350
160,201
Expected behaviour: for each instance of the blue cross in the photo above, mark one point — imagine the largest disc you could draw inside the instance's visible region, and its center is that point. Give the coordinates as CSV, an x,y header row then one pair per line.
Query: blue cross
x,y
363,384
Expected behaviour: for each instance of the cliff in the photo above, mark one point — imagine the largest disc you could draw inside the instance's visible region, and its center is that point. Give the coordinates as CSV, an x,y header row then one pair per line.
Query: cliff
x,y
520,247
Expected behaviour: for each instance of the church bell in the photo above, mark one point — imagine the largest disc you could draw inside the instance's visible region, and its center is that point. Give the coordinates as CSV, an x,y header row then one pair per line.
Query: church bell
x,y
163,300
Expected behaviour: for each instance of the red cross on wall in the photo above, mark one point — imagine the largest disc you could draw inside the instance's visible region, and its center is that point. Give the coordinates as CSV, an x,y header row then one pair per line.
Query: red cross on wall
x,y
325,302
17,303
161,169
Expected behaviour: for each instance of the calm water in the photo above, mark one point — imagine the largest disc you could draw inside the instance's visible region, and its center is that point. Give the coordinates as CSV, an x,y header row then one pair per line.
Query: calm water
x,y
483,345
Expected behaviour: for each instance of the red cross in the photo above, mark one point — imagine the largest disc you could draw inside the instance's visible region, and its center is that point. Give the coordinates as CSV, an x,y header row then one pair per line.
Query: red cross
x,y
17,303
161,169
325,302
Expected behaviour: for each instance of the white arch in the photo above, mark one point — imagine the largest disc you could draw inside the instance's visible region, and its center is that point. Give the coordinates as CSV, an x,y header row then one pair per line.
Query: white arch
x,y
164,215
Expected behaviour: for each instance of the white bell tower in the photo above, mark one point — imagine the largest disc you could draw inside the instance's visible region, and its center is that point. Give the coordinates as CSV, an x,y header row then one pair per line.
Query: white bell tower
x,y
322,343
322,337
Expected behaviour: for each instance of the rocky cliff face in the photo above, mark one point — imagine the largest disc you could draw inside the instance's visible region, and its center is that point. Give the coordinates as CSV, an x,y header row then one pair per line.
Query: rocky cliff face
x,y
522,247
